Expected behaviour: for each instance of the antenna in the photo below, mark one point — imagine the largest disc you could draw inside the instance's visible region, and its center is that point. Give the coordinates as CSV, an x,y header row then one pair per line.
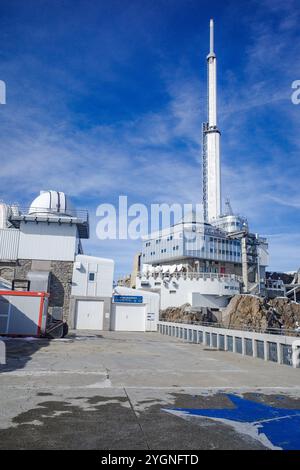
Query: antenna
x,y
229,210
211,36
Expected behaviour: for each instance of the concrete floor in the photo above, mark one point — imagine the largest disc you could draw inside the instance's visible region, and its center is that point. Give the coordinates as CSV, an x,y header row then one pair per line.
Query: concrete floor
x,y
113,390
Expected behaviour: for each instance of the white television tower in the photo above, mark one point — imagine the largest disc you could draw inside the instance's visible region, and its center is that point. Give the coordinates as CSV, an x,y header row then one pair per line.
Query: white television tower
x,y
211,142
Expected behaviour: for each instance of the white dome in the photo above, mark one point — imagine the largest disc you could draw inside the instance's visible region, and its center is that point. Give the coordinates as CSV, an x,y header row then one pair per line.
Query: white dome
x,y
52,202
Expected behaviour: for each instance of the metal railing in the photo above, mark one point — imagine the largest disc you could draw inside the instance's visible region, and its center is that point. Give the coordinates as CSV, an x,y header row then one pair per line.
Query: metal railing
x,y
22,212
276,348
273,331
190,275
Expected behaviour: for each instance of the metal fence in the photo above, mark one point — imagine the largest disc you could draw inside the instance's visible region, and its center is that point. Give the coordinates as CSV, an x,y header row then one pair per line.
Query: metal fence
x,y
270,331
266,346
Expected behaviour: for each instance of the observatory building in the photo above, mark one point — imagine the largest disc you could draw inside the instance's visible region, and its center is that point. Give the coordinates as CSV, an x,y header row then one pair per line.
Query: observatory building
x,y
205,262
41,251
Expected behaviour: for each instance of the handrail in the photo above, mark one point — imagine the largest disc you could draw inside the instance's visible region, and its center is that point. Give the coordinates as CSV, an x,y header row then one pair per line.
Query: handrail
x,y
19,212
190,275
275,331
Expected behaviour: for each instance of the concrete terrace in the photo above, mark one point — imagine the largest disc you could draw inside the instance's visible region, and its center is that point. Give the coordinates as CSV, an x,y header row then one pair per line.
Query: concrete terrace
x,y
113,390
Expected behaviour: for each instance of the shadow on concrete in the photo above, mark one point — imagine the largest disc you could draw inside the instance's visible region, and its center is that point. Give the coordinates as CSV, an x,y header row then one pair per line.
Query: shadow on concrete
x,y
19,351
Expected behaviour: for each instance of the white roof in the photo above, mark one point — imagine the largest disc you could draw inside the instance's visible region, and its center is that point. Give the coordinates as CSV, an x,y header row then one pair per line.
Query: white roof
x,y
120,290
93,259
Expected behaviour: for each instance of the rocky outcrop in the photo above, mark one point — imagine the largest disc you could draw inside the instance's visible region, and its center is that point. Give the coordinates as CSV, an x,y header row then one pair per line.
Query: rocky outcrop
x,y
250,311
244,311
186,314
288,310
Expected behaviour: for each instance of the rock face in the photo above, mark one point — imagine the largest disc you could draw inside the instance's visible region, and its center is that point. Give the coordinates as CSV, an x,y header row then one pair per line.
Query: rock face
x,y
249,311
288,310
243,311
185,314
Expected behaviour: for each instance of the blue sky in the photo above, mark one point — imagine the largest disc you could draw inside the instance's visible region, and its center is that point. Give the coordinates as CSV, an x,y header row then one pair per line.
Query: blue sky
x,y
107,97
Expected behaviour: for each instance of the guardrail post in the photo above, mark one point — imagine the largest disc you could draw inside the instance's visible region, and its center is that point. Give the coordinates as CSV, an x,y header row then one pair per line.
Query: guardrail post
x,y
204,337
266,350
243,346
279,353
254,347
296,353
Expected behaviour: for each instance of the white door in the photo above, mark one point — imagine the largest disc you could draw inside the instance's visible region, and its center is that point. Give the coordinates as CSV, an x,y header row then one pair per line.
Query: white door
x,y
89,315
129,317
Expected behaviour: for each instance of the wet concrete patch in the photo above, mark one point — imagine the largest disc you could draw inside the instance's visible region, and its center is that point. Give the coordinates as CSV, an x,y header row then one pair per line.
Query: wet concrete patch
x,y
63,425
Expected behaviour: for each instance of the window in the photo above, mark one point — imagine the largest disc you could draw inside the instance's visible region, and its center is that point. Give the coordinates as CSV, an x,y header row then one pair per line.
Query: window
x,y
91,277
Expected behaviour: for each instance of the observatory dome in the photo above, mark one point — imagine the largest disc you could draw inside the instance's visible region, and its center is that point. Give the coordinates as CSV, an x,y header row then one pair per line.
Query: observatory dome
x,y
52,203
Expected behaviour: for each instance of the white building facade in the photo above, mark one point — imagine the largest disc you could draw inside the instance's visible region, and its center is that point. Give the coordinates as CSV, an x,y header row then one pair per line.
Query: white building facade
x,y
46,239
91,293
205,262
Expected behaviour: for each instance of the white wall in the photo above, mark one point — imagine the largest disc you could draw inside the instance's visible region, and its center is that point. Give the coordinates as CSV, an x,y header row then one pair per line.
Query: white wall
x,y
128,317
9,243
44,241
151,301
103,270
180,291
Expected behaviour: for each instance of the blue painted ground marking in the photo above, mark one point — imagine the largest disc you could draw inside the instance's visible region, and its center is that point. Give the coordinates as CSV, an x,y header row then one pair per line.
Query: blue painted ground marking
x,y
274,427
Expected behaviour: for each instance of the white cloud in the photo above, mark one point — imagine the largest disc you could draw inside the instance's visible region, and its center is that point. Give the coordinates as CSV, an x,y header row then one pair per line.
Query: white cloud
x,y
156,156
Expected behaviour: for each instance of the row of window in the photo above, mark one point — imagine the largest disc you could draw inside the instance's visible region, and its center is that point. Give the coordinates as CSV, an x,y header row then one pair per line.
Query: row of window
x,y
225,252
164,250
222,240
220,252
211,239
169,239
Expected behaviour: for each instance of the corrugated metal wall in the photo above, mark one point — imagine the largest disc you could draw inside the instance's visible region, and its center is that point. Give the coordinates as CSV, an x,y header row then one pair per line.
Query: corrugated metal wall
x,y
47,242
9,244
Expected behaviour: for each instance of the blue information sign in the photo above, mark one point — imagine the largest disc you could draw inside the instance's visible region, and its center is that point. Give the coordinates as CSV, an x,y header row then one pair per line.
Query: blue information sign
x,y
128,299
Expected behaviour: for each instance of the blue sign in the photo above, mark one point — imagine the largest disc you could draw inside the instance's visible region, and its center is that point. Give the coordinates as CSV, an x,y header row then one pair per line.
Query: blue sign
x,y
276,428
128,299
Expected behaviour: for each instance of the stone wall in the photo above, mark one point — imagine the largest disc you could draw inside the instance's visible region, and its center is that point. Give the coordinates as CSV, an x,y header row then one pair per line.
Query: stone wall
x,y
60,286
7,270
60,279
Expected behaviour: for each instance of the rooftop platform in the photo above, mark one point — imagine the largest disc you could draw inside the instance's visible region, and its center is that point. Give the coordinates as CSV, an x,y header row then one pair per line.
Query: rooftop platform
x,y
115,390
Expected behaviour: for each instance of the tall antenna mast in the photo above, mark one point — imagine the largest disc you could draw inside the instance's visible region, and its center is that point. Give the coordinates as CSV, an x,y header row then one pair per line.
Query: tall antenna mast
x,y
211,141
211,25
